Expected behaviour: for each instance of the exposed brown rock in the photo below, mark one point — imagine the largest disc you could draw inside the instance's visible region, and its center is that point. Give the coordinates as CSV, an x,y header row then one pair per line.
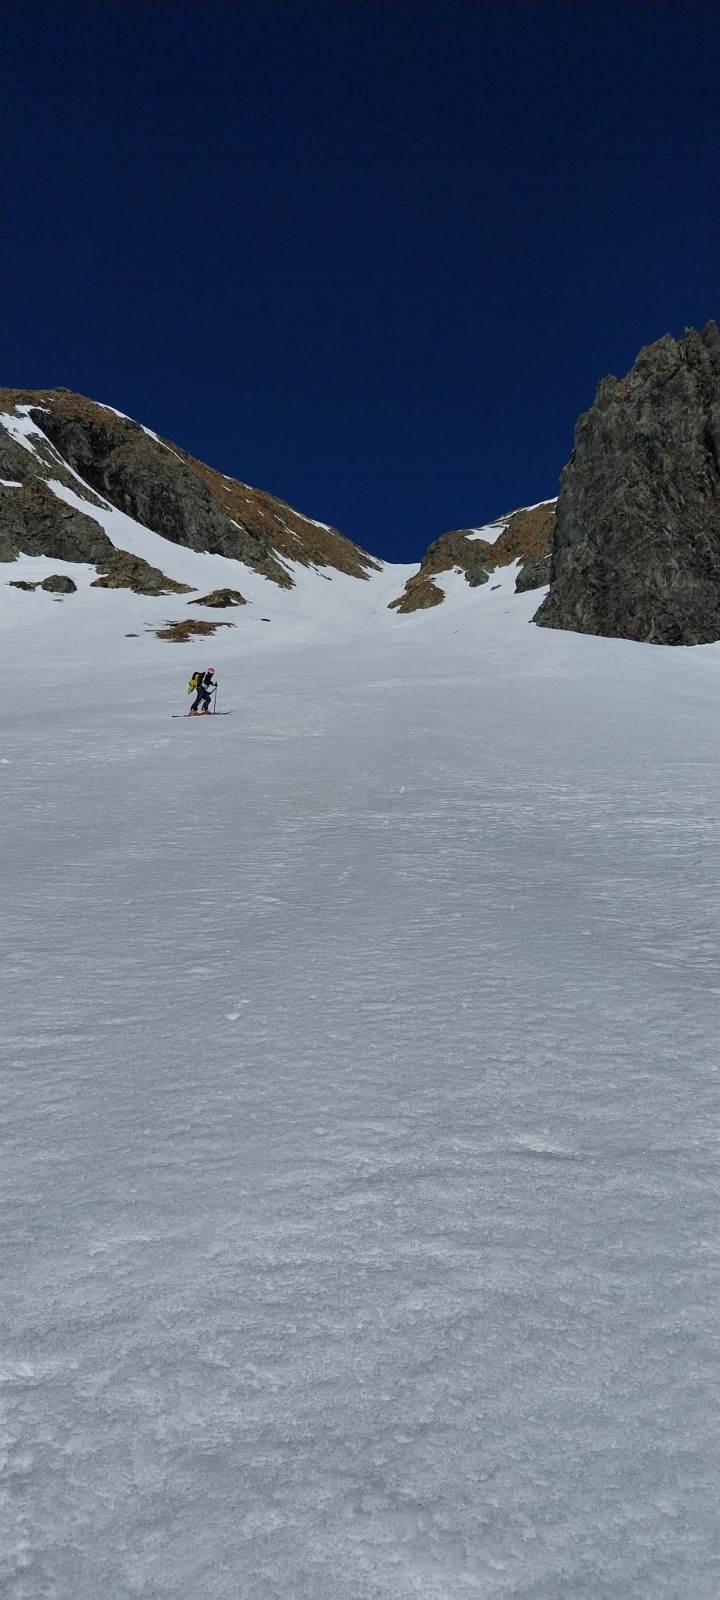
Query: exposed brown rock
x,y
526,535
126,571
19,583
182,632
220,598
419,594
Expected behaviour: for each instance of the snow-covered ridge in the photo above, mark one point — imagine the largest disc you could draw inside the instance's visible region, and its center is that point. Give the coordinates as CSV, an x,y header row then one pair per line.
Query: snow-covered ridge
x,y
104,454
202,571
345,606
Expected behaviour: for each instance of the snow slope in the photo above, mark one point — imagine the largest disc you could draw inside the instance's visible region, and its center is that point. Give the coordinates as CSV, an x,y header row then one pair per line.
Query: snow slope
x,y
360,1178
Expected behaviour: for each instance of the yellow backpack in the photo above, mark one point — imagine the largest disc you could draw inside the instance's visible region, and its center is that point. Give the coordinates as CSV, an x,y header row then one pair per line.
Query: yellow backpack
x,y
194,683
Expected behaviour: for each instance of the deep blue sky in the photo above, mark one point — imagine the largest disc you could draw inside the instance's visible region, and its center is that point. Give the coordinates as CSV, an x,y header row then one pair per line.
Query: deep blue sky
x,y
371,255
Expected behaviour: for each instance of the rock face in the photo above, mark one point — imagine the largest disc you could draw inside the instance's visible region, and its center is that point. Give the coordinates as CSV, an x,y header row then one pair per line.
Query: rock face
x,y
125,571
162,487
636,553
33,520
525,535
534,574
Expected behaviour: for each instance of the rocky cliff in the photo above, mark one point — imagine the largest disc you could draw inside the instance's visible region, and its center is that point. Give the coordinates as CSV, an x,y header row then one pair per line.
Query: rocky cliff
x,y
636,549
154,481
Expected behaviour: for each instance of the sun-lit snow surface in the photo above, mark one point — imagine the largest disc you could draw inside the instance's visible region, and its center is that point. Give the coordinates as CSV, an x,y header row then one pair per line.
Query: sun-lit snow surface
x,y
359,1212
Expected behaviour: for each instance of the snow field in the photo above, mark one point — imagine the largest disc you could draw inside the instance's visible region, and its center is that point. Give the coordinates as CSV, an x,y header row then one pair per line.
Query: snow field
x,y
360,1174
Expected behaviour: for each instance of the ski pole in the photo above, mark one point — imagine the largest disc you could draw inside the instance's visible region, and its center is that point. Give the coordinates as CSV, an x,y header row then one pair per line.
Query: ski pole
x,y
215,699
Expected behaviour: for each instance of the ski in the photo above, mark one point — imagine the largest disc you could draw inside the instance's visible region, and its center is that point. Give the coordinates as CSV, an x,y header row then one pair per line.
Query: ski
x,y
200,715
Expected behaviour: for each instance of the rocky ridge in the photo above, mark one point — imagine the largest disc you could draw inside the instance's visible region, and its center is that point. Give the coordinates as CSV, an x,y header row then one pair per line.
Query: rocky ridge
x,y
524,535
94,451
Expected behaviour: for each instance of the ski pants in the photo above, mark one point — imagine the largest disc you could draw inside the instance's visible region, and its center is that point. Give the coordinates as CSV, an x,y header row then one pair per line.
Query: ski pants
x,y
202,698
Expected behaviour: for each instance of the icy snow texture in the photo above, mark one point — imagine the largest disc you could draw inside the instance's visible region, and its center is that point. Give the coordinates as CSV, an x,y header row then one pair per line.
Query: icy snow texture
x,y
360,1217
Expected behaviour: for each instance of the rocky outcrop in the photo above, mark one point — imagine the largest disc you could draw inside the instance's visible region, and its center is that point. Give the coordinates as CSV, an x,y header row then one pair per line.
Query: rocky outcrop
x,y
636,553
16,465
419,594
220,598
126,571
452,550
189,628
534,574
525,535
168,491
58,583
33,520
